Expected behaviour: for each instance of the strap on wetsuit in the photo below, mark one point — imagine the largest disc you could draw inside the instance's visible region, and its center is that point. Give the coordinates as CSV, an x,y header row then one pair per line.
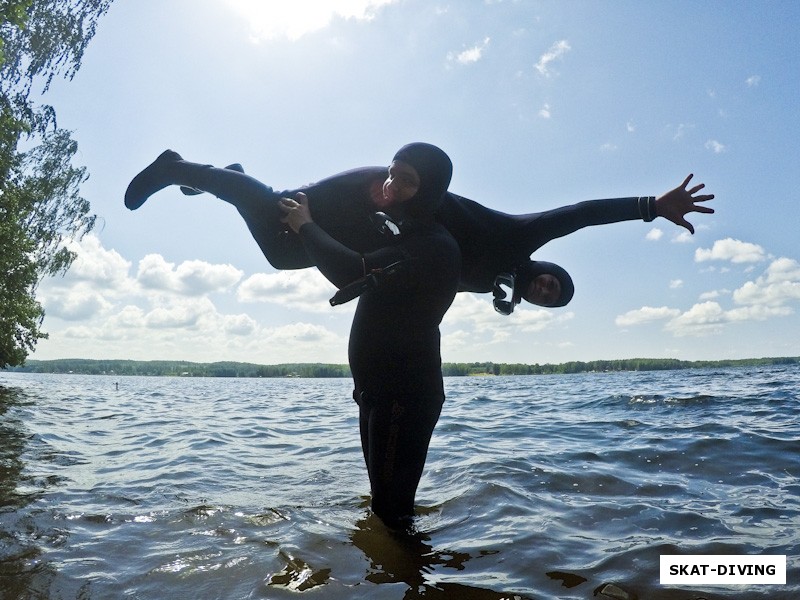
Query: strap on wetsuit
x,y
370,281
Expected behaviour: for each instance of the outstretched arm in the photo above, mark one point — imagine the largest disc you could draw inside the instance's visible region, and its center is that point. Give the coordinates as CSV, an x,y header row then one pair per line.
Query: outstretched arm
x,y
677,203
532,231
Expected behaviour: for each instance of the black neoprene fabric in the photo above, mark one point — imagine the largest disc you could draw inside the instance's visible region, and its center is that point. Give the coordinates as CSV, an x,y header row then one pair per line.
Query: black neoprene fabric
x,y
394,348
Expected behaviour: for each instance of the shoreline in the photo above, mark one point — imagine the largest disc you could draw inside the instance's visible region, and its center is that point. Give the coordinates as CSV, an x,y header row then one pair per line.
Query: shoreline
x,y
168,368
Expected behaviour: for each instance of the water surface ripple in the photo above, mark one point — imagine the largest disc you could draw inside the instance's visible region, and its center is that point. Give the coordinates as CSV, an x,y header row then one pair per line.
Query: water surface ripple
x,y
541,487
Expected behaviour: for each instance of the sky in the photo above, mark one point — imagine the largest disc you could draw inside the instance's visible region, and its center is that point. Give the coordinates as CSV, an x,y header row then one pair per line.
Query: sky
x,y
539,105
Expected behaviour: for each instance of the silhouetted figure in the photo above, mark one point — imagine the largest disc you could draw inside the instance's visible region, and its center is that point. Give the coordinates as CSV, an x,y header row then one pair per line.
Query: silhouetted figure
x,y
406,283
404,244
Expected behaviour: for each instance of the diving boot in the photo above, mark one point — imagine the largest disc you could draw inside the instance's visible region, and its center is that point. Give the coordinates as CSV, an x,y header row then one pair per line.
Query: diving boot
x,y
156,176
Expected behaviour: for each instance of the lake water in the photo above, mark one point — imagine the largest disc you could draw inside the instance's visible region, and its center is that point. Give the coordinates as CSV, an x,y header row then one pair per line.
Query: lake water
x,y
540,487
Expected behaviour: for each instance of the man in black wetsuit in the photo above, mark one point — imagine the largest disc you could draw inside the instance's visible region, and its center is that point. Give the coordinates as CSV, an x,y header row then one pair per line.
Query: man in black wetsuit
x,y
409,282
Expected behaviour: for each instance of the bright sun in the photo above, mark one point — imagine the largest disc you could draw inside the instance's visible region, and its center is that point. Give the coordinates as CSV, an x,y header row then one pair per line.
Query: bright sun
x,y
292,19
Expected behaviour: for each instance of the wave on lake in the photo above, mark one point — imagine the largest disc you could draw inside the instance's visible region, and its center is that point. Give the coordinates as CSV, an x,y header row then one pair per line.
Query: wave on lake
x,y
536,487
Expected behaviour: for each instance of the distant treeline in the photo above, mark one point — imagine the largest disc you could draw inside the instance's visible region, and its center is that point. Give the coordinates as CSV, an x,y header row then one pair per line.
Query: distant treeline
x,y
174,368
171,368
602,366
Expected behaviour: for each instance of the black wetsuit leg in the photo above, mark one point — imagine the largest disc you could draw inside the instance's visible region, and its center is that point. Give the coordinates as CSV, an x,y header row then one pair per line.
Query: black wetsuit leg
x,y
341,204
395,437
257,204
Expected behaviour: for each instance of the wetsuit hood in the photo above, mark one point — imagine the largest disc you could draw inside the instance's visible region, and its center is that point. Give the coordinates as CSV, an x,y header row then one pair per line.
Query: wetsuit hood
x,y
434,169
534,268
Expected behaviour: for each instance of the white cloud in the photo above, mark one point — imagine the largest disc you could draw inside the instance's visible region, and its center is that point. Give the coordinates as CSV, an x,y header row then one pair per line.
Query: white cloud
x,y
716,147
299,332
646,314
654,234
757,313
779,285
197,277
181,313
471,55
676,284
556,51
241,324
679,132
190,333
753,80
128,317
170,314
735,251
100,311
191,277
155,272
74,304
783,270
456,340
682,237
714,294
300,342
769,296
95,264
305,290
708,318
630,126
90,287
702,319
544,112
474,313
292,20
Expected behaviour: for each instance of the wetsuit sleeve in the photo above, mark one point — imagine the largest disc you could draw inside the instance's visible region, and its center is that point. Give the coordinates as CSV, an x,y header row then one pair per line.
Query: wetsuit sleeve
x,y
339,264
537,229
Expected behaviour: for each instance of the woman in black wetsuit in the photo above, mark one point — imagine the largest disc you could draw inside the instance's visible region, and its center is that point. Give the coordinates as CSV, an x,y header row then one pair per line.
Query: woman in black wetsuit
x,y
394,348
495,243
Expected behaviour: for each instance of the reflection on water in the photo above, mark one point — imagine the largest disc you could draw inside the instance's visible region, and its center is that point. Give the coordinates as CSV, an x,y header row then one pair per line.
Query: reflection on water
x,y
407,557
22,573
254,489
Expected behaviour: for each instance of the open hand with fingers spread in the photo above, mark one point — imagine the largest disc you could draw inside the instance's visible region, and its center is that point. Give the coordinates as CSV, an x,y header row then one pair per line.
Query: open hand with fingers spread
x,y
676,204
295,211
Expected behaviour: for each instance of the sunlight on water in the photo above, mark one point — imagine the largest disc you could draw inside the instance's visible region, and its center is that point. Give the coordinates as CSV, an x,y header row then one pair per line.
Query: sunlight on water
x,y
536,487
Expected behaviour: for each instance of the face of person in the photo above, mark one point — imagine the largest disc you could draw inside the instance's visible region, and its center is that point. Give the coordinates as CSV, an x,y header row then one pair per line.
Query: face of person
x,y
544,290
401,184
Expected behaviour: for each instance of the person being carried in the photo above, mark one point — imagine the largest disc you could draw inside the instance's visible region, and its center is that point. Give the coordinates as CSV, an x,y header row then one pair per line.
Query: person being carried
x,y
495,246
394,348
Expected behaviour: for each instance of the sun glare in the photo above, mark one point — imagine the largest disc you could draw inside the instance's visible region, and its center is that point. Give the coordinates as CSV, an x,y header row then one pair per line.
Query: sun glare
x,y
293,19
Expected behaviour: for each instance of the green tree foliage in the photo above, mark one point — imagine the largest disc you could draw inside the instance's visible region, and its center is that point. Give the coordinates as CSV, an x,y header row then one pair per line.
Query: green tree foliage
x,y
40,203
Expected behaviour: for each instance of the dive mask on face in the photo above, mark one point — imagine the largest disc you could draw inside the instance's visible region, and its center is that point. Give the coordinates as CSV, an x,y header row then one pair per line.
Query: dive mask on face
x,y
504,288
